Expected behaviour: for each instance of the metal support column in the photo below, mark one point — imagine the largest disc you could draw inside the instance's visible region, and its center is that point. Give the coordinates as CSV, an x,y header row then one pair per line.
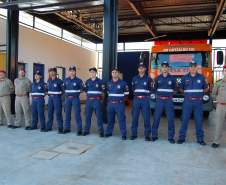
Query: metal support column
x,y
110,37
110,41
12,46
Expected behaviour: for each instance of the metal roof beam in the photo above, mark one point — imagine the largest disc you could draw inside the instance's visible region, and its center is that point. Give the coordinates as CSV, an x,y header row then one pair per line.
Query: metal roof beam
x,y
216,20
147,22
70,18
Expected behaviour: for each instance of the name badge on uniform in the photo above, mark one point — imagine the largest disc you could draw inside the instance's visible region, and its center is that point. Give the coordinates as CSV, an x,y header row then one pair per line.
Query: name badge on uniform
x,y
97,85
170,82
198,81
74,84
39,87
118,86
55,85
145,83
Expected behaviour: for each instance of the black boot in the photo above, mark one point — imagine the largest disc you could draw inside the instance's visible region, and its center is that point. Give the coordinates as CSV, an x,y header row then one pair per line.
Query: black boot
x,y
154,139
66,131
215,145
85,133
60,131
147,138
28,128
172,141
201,143
133,137
79,133
180,141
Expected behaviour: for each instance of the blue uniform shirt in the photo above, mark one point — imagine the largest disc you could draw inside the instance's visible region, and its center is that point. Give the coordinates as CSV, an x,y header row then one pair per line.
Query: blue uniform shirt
x,y
55,86
73,87
117,90
165,86
193,86
94,88
142,86
38,89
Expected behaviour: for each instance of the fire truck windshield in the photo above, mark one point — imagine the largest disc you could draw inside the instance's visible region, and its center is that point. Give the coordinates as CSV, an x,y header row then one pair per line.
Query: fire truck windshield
x,y
179,62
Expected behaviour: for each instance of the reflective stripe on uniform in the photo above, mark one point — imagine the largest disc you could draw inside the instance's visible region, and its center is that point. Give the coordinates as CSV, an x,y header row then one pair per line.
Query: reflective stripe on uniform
x,y
165,90
94,92
53,92
38,94
126,93
193,90
116,95
141,91
72,91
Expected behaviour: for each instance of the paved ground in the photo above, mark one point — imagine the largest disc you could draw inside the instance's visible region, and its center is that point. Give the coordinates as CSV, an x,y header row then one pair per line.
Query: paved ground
x,y
34,158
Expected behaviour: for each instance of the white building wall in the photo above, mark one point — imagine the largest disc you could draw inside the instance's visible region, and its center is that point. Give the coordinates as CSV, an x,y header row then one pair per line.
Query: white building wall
x,y
38,47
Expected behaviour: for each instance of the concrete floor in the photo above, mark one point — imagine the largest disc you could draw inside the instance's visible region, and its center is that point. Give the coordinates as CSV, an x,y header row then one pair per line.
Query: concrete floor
x,y
109,161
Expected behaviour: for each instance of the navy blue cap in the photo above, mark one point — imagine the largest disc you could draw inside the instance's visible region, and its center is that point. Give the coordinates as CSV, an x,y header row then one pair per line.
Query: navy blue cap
x,y
115,69
53,69
193,63
72,68
38,73
93,69
141,64
165,63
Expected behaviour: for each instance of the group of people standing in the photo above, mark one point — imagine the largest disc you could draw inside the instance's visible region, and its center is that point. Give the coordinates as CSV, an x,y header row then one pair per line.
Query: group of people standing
x,y
193,85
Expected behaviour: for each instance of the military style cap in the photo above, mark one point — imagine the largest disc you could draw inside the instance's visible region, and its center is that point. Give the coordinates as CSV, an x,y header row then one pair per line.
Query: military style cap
x,y
93,69
72,68
38,73
141,64
53,69
165,63
193,63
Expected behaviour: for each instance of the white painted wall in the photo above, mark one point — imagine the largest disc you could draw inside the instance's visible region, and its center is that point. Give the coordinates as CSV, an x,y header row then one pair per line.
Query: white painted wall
x,y
38,47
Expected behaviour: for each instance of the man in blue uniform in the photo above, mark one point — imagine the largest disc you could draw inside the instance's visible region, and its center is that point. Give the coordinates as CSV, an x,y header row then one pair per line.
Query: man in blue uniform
x,y
73,86
194,86
38,91
94,88
141,86
55,88
117,90
165,85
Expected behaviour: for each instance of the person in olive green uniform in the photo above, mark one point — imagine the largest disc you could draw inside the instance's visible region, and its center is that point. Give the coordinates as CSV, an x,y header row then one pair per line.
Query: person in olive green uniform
x,y
6,88
22,105
219,94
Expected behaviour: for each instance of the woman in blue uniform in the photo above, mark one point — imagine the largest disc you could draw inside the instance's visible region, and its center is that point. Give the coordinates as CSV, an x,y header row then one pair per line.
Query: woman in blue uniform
x,y
38,102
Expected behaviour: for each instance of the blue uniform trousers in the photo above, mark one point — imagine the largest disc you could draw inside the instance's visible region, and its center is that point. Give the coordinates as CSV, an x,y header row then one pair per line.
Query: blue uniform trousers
x,y
142,105
190,106
119,110
55,105
96,106
38,111
75,103
167,106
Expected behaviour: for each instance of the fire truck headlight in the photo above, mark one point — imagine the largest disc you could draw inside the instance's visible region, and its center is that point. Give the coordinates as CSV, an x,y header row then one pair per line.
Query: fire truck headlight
x,y
206,97
152,96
